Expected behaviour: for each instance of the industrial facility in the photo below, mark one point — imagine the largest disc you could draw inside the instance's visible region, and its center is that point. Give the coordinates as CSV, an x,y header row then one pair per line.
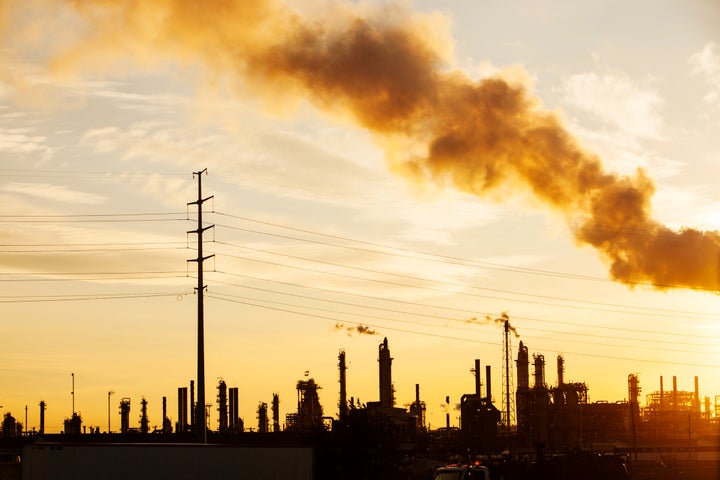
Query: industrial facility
x,y
551,420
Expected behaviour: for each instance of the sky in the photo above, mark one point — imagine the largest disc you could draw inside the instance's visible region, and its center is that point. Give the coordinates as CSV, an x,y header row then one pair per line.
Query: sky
x,y
413,170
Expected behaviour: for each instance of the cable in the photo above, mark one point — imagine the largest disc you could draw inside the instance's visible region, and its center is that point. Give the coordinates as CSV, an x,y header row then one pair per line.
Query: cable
x,y
387,282
584,354
488,265
454,309
72,298
664,349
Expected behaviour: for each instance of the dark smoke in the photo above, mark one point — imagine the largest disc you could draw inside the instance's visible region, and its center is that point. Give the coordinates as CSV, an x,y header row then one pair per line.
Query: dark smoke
x,y
501,320
386,71
359,329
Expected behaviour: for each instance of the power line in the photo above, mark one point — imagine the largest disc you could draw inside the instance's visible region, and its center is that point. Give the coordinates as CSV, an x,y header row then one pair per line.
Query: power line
x,y
76,298
431,281
444,258
439,307
474,323
334,319
465,328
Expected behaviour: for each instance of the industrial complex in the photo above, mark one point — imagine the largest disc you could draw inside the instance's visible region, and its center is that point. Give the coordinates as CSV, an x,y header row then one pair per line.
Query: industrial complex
x,y
537,431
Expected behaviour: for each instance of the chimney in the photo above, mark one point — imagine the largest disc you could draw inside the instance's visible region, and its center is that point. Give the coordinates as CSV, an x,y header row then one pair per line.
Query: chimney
x,y
385,374
488,389
662,394
560,370
477,377
342,404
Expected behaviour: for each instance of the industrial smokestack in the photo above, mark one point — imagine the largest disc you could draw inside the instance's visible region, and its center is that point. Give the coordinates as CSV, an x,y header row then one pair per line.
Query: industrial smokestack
x,y
662,394
488,383
674,394
193,412
342,404
276,412
182,422
560,370
696,400
43,407
523,366
477,377
539,364
233,407
222,406
385,361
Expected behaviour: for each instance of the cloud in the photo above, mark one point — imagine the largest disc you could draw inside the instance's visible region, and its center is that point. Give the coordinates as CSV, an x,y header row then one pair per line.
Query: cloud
x,y
706,63
21,141
55,193
618,101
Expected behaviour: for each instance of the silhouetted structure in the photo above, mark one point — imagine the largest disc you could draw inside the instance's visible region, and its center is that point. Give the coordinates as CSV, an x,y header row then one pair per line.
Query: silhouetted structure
x,y
234,418
144,421
262,418
342,403
276,412
417,409
124,415
181,426
479,418
73,425
309,416
387,395
222,406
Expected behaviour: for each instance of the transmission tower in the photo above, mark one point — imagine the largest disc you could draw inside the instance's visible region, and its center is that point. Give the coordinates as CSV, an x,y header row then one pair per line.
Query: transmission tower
x,y
200,409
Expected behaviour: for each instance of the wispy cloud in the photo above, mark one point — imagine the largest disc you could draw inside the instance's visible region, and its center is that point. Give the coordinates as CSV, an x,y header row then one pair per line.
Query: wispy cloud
x,y
618,101
706,63
55,193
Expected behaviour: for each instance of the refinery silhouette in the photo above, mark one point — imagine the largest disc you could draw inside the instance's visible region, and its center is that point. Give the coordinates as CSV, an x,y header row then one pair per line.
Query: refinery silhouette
x,y
536,431
539,431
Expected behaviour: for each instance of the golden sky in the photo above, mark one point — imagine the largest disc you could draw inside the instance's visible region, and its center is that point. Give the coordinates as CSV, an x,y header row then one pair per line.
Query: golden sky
x,y
408,170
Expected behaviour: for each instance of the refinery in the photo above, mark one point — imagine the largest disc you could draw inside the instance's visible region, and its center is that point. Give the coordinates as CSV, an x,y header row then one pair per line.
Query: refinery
x,y
537,431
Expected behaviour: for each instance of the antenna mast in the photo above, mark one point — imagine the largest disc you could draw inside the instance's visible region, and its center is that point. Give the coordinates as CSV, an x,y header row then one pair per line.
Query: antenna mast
x,y
200,413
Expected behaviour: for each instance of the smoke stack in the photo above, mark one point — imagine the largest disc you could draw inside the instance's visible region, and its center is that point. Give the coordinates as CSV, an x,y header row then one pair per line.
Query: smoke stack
x,y
662,394
696,400
539,364
417,394
43,407
342,404
488,382
193,411
182,422
385,361
674,394
477,377
233,407
222,406
523,366
276,412
560,370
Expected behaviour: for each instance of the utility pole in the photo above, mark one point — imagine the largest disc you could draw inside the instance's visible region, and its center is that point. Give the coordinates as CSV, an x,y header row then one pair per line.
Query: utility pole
x,y
200,409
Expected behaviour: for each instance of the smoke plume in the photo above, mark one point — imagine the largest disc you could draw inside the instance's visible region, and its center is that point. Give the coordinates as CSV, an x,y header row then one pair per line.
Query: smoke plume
x,y
387,70
501,320
359,329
